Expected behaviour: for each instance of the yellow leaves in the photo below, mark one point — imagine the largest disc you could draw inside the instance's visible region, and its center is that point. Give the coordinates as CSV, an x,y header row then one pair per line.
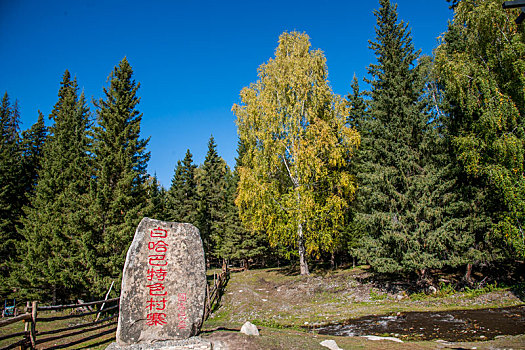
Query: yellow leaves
x,y
297,146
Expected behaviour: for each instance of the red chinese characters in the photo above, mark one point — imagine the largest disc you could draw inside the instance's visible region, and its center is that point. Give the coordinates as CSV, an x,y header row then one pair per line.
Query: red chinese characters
x,y
181,308
156,274
156,319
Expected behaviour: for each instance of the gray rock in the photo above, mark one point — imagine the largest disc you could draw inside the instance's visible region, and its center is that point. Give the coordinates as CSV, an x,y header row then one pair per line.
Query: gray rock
x,y
330,344
249,328
163,284
375,337
432,290
193,343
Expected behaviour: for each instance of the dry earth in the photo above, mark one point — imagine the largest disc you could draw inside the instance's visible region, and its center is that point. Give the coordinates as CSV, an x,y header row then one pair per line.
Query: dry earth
x,y
288,308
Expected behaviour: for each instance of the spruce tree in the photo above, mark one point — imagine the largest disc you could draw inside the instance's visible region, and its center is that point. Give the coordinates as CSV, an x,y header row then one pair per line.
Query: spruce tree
x,y
157,197
357,118
182,201
237,243
56,223
396,176
33,141
212,194
120,158
11,190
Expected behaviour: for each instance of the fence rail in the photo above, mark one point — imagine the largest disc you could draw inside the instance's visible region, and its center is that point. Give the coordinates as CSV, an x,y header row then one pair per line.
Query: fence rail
x,y
30,319
75,306
214,295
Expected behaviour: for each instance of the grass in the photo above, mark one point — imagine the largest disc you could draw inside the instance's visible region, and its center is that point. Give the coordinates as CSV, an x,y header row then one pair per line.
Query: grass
x,y
281,303
284,304
107,331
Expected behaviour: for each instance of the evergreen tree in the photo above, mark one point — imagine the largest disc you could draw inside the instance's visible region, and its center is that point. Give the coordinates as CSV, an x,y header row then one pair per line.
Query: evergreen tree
x,y
358,119
33,141
11,191
213,199
157,197
238,243
56,225
357,107
120,157
396,211
182,200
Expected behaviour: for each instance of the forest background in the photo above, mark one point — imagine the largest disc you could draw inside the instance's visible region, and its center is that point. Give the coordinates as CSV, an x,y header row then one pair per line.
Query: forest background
x,y
421,172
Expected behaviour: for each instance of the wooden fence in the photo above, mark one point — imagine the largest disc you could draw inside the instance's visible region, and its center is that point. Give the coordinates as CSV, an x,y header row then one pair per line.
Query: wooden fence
x,y
214,296
31,337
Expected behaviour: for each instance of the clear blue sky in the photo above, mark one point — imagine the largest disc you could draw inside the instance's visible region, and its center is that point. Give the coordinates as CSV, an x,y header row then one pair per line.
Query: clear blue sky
x,y
192,58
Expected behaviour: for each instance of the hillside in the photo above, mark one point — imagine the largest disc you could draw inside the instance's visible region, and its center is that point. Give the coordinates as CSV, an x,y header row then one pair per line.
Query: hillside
x,y
290,310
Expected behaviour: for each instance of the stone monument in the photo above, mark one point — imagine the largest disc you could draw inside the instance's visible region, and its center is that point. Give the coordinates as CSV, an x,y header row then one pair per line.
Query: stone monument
x,y
163,285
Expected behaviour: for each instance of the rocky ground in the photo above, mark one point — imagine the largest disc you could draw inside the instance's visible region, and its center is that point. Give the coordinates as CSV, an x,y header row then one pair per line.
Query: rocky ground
x,y
289,309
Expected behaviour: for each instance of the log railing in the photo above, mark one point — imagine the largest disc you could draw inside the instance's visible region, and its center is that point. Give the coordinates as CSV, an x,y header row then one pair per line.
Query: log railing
x,y
30,337
213,296
30,318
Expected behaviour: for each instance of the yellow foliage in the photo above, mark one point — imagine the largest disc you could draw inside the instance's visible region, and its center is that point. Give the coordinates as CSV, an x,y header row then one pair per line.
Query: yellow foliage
x,y
298,149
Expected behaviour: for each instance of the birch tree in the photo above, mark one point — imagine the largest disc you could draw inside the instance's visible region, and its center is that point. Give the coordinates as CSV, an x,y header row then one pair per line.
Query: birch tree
x,y
294,181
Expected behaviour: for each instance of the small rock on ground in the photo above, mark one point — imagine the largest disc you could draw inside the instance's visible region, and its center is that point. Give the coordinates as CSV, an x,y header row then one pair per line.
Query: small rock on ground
x,y
330,344
193,343
374,337
249,328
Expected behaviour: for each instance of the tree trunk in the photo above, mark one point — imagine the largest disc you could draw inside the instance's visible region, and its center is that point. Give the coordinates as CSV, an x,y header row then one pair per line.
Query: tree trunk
x,y
302,251
468,274
332,261
54,300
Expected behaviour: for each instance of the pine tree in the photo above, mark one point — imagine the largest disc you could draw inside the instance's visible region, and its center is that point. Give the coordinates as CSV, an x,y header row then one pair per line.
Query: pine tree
x,y
11,191
56,225
358,119
182,200
396,176
213,198
33,141
238,243
357,107
120,194
157,199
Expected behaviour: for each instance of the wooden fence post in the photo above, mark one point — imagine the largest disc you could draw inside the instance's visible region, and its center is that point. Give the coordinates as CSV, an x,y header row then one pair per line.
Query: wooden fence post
x,y
107,295
32,332
26,323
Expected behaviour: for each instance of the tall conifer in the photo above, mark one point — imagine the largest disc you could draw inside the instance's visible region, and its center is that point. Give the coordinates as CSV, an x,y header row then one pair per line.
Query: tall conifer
x,y
395,211
33,141
182,201
11,190
237,243
120,194
213,194
56,224
157,196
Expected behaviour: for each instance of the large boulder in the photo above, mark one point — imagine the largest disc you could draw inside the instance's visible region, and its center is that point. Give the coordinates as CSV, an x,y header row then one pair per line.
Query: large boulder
x,y
163,284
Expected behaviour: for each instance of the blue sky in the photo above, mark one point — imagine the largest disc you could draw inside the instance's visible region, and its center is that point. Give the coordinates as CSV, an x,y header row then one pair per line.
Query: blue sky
x,y
191,58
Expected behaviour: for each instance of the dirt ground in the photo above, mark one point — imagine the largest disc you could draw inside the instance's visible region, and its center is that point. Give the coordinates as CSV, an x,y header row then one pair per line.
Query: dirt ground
x,y
271,339
288,309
